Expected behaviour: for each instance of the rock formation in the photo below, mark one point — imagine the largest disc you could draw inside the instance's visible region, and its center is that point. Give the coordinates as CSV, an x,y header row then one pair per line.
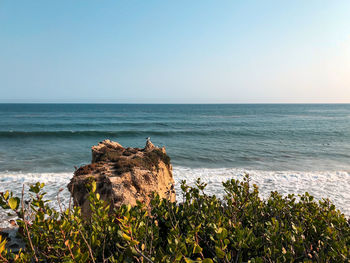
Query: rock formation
x,y
124,175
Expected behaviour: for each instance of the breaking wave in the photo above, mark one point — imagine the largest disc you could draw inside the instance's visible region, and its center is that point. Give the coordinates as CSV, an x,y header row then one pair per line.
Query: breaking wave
x,y
334,185
120,133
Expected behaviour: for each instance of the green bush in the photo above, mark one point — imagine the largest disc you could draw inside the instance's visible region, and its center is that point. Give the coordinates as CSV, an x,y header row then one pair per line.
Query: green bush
x,y
241,227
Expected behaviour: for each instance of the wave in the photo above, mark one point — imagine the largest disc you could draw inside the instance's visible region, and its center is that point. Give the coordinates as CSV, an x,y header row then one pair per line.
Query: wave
x,y
165,131
334,185
14,181
93,133
123,133
68,125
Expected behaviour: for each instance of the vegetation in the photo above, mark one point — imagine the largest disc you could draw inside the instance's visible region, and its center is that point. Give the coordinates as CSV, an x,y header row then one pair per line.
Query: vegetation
x,y
241,227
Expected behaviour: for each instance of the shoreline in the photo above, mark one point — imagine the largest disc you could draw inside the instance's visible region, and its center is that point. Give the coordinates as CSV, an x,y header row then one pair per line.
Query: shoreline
x,y
333,185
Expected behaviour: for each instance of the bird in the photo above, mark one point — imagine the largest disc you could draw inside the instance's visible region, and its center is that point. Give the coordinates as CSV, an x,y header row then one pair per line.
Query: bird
x,y
148,139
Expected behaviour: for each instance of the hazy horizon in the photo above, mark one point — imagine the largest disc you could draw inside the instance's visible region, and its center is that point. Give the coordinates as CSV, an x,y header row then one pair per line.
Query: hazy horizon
x,y
175,52
189,103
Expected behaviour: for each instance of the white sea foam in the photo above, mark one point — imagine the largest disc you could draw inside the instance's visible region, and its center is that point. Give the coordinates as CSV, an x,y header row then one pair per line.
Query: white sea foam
x,y
53,183
334,185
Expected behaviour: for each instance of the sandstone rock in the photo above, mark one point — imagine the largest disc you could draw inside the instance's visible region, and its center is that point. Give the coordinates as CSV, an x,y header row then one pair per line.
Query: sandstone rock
x,y
124,175
102,151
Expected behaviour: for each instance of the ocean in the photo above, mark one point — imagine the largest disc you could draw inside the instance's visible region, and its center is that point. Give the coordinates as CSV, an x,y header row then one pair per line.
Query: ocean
x,y
291,148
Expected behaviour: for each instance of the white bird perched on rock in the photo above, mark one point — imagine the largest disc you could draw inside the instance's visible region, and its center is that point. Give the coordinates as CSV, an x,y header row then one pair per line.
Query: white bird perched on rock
x,y
149,144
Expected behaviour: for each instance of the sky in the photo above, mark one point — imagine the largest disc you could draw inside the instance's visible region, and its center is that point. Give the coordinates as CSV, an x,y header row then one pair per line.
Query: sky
x,y
180,51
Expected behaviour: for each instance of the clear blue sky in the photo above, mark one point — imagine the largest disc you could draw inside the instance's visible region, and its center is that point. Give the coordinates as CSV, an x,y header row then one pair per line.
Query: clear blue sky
x,y
175,51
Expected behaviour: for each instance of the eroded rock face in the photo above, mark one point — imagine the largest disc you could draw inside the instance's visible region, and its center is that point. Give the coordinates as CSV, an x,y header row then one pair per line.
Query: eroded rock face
x,y
124,175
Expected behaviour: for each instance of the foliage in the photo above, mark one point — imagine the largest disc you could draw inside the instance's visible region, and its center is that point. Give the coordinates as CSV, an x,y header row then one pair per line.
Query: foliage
x,y
241,227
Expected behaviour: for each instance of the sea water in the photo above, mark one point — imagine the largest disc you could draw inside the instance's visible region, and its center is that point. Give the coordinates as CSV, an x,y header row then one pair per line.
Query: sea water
x,y
291,148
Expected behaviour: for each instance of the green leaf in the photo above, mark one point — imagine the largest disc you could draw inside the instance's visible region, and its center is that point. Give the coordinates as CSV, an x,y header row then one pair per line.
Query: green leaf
x,y
284,250
93,186
188,260
124,236
6,195
14,203
197,249
219,252
221,233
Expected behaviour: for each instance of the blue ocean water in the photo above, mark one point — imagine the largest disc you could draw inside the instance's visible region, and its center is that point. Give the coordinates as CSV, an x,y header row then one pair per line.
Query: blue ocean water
x,y
291,148
57,137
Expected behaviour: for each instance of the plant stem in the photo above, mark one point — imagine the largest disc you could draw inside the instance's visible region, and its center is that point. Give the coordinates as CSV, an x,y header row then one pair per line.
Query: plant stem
x,y
26,226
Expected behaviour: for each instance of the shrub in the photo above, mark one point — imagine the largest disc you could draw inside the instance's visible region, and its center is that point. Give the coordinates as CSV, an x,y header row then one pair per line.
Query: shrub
x,y
241,227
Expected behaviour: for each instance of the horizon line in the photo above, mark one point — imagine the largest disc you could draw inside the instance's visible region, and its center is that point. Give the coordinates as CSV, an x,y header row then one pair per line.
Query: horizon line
x,y
185,103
